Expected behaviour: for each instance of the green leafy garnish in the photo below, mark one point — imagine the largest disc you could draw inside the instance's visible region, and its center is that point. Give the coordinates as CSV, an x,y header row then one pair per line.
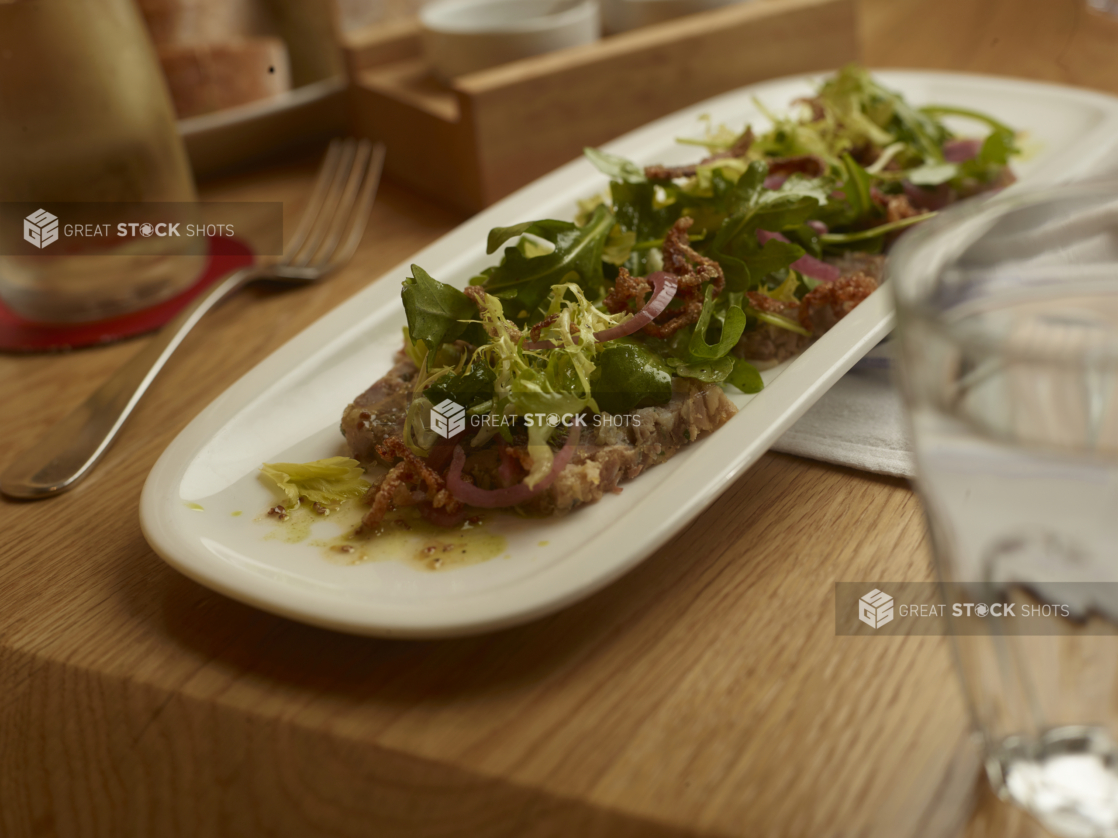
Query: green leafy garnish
x,y
630,375
525,283
617,168
875,232
638,212
468,388
745,377
732,328
707,371
824,179
438,313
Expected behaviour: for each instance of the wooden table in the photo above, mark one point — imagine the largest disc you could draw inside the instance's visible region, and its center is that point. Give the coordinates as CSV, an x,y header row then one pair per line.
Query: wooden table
x,y
703,694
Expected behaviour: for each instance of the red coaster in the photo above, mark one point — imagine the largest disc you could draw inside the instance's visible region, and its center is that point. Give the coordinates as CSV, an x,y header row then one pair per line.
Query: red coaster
x,y
19,335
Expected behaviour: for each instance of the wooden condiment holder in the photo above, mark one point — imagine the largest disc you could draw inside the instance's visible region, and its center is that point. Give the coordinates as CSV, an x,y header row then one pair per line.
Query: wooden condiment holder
x,y
490,132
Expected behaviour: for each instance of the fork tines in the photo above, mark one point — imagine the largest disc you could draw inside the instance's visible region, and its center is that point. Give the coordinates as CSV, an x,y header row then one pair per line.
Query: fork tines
x,y
339,207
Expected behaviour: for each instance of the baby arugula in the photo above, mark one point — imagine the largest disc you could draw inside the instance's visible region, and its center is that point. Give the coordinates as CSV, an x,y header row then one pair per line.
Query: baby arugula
x,y
523,280
438,313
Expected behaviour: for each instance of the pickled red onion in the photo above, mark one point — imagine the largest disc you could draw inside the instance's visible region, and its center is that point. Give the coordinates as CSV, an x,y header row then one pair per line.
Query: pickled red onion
x,y
664,286
470,494
807,265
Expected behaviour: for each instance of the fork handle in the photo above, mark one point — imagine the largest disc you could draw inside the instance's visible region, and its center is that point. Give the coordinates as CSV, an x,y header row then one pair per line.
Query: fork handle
x,y
71,448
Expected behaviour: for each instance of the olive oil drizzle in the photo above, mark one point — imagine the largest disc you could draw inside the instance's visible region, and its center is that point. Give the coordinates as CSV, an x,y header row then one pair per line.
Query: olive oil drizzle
x,y
403,536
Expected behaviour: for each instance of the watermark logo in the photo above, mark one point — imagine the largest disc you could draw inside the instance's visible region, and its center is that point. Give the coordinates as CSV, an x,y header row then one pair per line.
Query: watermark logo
x,y
875,609
972,608
448,418
40,228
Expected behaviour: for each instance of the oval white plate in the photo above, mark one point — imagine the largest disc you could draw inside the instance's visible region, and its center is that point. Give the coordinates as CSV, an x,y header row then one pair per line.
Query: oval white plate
x,y
289,406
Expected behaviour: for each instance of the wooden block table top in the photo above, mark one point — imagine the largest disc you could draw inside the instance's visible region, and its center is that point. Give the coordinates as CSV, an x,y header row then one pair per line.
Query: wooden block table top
x,y
704,694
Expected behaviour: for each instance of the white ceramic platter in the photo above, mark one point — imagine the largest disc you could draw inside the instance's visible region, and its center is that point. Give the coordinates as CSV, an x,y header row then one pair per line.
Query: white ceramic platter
x,y
289,406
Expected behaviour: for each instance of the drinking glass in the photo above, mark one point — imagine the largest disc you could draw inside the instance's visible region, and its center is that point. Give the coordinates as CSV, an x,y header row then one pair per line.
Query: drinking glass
x,y
85,118
1008,328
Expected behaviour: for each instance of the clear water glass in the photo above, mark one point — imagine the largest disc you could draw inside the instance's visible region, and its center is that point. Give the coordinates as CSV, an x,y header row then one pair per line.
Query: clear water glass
x,y
1008,330
85,118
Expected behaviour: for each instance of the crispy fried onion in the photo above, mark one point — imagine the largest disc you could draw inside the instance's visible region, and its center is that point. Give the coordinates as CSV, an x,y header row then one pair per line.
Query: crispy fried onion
x,y
763,302
693,269
627,294
536,330
830,302
410,482
781,168
739,149
810,165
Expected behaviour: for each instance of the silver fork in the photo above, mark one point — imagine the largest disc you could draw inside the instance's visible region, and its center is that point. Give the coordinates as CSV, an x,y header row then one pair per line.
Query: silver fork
x,y
327,235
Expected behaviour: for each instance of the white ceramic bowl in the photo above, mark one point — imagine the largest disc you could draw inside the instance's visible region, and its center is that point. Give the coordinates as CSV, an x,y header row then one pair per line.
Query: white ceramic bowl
x,y
461,36
622,15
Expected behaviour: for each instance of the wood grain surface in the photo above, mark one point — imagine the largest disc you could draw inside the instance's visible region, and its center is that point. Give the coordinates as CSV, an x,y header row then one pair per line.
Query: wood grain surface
x,y
703,694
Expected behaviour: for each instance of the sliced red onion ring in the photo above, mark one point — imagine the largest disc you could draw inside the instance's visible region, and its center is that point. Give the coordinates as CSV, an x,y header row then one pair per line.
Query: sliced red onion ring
x,y
818,226
664,286
807,265
470,494
959,151
775,181
929,199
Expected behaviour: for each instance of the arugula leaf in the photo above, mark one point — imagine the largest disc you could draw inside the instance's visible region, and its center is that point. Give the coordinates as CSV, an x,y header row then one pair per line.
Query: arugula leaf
x,y
630,375
768,209
524,284
873,232
617,168
998,147
994,154
743,258
779,320
499,235
637,213
745,377
468,388
949,110
732,328
735,271
438,313
857,188
772,256
708,371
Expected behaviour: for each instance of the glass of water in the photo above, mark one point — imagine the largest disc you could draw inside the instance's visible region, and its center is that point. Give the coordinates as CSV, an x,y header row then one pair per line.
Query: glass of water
x,y
1008,327
86,122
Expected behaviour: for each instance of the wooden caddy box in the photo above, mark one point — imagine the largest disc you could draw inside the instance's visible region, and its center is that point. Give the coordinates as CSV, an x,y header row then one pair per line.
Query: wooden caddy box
x,y
491,132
